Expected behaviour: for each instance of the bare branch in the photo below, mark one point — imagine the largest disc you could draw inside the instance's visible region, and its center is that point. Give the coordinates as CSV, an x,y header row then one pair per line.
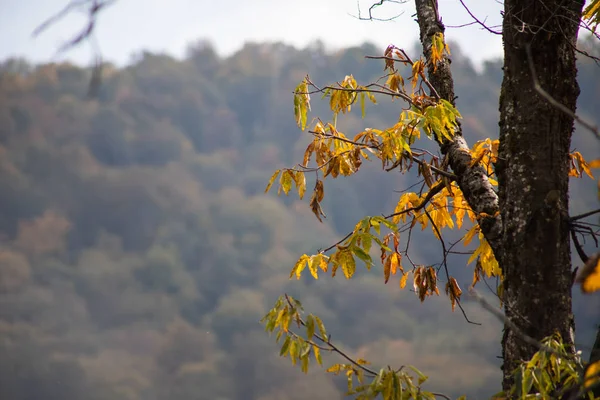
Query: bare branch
x,y
487,28
93,8
332,347
374,6
518,332
585,215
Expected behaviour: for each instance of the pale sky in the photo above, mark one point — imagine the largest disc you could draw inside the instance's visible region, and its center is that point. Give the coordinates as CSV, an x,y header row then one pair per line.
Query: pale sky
x,y
130,26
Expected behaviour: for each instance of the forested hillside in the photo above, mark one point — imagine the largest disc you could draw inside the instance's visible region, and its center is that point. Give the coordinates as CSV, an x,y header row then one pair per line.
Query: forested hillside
x,y
139,251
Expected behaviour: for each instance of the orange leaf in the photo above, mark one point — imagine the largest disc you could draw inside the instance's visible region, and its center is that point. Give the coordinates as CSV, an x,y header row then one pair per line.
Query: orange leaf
x,y
589,276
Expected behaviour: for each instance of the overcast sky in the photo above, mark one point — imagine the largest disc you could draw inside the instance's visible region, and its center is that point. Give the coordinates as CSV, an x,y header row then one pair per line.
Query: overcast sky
x,y
169,26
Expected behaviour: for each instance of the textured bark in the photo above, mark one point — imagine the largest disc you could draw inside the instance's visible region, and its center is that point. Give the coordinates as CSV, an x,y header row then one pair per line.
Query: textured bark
x,y
530,238
595,356
533,172
472,180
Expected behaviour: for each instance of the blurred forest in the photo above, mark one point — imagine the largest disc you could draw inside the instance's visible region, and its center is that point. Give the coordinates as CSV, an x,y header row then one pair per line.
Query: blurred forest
x,y
139,251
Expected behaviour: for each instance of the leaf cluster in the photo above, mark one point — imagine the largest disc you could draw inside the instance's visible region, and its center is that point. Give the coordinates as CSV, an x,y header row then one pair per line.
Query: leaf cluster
x,y
362,382
553,373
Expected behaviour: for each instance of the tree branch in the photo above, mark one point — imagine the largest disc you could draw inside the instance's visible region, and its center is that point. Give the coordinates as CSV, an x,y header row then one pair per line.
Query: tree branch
x,y
327,341
585,215
375,5
472,179
478,21
522,335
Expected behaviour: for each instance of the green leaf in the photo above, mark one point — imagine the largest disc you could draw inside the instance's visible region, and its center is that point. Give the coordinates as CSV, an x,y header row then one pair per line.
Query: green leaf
x,y
270,325
422,377
285,347
297,303
397,386
380,243
305,349
360,253
527,382
388,224
310,326
304,364
366,239
375,225
294,351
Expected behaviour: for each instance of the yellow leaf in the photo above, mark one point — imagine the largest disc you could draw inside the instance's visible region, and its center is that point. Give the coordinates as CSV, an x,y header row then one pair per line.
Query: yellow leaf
x,y
347,263
417,69
394,82
317,353
453,291
476,275
300,181
394,261
437,49
336,368
272,180
579,165
285,181
313,264
592,14
592,9
322,262
403,280
469,236
459,205
489,264
301,103
309,150
387,268
300,265
592,374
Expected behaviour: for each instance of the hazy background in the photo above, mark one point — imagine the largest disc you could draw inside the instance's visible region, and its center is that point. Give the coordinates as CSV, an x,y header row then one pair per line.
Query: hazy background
x,y
169,26
138,248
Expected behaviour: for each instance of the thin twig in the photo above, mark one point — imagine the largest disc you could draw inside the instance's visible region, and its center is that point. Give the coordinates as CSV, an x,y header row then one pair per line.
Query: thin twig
x,y
478,21
373,6
327,341
584,215
520,334
410,62
445,264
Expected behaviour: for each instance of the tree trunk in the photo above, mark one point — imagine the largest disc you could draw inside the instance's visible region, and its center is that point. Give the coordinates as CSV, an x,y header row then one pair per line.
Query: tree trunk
x,y
595,356
533,172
